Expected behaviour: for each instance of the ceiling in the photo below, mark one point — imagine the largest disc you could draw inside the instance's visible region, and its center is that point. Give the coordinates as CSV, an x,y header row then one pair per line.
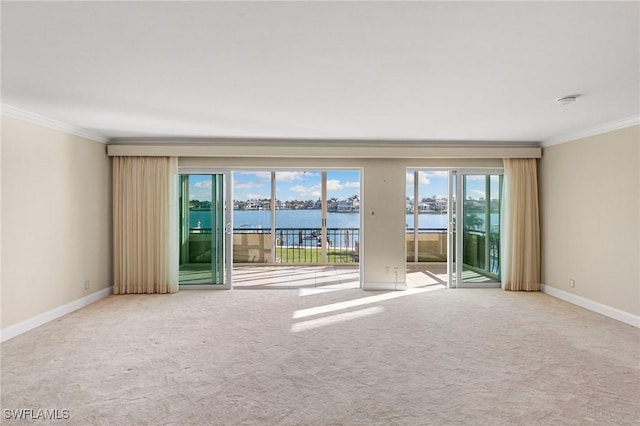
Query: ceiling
x,y
381,71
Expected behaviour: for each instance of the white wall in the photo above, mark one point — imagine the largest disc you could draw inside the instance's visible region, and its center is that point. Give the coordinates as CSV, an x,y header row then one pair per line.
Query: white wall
x,y
56,219
384,214
590,218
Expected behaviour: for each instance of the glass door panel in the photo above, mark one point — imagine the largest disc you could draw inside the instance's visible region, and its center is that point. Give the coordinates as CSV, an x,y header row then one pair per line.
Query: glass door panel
x,y
427,217
479,239
432,216
427,226
495,236
252,217
343,216
411,216
451,235
298,224
203,226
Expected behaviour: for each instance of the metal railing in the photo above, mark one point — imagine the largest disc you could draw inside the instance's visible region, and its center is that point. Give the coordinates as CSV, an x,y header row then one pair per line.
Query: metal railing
x,y
304,245
432,247
292,245
475,250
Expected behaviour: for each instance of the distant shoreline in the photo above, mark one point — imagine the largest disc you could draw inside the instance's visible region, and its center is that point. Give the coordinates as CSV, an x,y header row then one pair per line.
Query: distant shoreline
x,y
198,209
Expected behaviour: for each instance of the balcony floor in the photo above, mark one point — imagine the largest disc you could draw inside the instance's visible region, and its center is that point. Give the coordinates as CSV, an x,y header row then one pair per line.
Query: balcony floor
x,y
286,277
321,276
426,274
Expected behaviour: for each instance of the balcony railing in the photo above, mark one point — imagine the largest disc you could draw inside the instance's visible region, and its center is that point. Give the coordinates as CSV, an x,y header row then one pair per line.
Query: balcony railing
x,y
475,251
292,245
304,245
432,247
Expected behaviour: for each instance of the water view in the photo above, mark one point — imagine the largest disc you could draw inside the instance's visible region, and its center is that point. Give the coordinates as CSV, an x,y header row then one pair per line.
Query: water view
x,y
261,219
297,237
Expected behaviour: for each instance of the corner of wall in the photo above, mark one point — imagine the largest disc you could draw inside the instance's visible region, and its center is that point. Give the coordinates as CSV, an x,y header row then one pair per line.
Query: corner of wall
x,y
56,219
31,323
590,222
590,305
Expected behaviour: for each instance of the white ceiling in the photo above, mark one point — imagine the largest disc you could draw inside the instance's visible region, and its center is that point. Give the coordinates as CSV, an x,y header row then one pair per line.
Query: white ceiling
x,y
426,71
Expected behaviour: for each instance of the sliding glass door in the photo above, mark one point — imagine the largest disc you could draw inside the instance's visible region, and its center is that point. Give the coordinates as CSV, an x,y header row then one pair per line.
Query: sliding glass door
x,y
475,228
453,227
296,217
426,216
452,209
205,230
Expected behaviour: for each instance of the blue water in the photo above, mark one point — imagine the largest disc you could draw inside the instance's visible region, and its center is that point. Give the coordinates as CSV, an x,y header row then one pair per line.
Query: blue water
x,y
261,219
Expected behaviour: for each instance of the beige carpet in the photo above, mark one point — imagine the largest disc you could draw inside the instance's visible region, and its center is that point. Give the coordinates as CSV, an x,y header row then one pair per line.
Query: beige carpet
x,y
340,357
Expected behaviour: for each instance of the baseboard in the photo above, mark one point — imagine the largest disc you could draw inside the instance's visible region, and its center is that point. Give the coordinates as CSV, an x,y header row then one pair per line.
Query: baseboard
x,y
31,323
605,310
385,286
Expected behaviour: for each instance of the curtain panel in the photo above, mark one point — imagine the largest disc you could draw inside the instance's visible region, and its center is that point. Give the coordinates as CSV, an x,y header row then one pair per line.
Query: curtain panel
x,y
145,225
520,226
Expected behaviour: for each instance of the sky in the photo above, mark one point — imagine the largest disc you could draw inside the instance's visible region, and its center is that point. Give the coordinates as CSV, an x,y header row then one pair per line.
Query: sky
x,y
435,183
306,185
290,185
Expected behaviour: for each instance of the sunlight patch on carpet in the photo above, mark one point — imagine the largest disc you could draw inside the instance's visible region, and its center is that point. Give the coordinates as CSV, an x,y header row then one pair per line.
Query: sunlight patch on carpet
x,y
312,291
334,319
303,313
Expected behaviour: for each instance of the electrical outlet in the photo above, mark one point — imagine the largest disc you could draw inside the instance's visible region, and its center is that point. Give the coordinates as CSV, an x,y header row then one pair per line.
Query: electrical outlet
x,y
572,283
87,284
386,269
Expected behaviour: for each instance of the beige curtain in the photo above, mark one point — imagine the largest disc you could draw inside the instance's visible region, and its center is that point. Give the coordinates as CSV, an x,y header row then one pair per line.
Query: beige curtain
x,y
520,226
144,225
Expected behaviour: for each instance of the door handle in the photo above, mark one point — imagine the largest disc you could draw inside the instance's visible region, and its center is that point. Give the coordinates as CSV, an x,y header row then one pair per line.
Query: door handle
x,y
227,229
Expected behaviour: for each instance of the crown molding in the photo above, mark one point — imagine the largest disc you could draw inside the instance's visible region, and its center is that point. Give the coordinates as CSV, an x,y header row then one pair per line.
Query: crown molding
x,y
592,131
30,117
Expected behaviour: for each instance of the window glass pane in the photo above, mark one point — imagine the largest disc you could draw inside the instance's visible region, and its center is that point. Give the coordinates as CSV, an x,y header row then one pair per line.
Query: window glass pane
x,y
433,218
298,216
252,235
343,216
481,228
201,229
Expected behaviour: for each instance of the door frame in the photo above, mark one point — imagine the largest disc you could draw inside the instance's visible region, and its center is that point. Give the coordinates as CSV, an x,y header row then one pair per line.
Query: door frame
x,y
323,170
459,236
228,228
455,212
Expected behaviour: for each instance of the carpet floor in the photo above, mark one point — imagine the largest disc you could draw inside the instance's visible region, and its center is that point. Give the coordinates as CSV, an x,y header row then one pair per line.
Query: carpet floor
x,y
327,357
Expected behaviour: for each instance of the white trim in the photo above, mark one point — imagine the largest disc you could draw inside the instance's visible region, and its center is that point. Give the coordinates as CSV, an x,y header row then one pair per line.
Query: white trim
x,y
323,151
30,117
31,323
384,286
605,310
597,130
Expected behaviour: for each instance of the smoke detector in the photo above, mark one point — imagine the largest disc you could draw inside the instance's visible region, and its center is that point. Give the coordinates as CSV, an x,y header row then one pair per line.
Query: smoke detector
x,y
567,100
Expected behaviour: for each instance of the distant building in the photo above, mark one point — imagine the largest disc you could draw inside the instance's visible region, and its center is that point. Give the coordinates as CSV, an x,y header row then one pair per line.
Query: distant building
x,y
435,204
351,205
